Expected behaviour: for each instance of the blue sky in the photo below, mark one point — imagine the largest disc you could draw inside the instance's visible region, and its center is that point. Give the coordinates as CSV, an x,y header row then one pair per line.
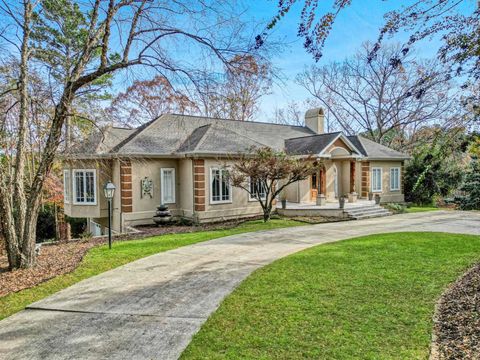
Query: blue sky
x,y
358,23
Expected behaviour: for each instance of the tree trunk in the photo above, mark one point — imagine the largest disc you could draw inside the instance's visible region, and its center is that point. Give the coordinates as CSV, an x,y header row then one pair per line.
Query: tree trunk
x,y
266,216
267,212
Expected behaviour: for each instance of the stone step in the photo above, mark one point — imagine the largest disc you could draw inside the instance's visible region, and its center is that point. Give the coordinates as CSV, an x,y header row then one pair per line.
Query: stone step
x,y
370,216
367,212
363,210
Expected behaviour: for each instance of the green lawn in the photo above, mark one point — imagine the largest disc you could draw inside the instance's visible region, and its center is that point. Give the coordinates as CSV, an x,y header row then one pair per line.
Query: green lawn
x,y
416,209
100,259
366,298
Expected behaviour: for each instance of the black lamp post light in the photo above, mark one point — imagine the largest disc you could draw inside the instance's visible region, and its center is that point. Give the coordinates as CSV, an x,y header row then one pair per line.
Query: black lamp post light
x,y
109,191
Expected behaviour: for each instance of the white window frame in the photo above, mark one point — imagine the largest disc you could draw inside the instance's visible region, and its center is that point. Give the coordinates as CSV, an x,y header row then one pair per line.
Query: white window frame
x,y
67,186
250,197
210,188
162,183
372,183
74,176
392,171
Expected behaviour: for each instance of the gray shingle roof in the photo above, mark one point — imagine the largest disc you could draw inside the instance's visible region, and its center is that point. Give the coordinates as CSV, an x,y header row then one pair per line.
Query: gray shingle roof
x,y
354,140
173,134
314,144
376,151
192,141
101,142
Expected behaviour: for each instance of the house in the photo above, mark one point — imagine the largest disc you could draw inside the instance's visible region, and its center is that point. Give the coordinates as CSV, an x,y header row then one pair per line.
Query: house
x,y
179,160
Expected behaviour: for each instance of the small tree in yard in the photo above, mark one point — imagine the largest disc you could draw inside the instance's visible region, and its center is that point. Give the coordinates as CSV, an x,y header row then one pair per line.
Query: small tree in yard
x,y
264,173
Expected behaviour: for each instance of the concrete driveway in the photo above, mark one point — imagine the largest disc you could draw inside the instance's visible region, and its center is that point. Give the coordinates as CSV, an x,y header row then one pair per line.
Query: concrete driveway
x,y
149,309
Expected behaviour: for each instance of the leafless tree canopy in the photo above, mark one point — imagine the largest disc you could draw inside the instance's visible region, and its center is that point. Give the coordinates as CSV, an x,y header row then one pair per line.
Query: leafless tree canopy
x,y
236,94
386,102
145,100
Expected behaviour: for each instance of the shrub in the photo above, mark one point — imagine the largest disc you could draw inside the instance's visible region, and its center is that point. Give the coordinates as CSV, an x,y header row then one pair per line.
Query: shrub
x,y
86,235
77,226
396,208
46,223
428,176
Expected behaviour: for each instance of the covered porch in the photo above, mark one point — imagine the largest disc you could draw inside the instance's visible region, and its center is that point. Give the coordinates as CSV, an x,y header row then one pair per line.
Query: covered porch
x,y
328,206
359,209
336,178
339,176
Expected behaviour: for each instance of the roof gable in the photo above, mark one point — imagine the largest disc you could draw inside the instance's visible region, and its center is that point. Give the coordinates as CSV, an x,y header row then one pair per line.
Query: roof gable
x,y
309,145
320,144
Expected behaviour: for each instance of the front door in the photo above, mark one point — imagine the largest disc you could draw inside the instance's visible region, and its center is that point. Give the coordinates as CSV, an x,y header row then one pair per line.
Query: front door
x,y
313,187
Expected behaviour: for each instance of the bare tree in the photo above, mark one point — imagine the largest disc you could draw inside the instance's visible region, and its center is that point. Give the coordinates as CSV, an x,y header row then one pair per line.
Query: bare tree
x,y
145,100
291,114
236,94
382,101
264,173
107,37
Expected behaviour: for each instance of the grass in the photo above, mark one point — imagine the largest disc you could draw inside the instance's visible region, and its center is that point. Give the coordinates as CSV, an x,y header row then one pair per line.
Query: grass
x,y
100,259
416,209
366,298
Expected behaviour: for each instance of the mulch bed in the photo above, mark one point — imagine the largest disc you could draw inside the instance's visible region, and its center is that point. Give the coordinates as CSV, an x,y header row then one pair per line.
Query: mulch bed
x,y
63,257
53,260
457,319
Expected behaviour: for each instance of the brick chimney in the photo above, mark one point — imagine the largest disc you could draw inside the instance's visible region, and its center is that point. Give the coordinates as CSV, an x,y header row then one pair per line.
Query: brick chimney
x,y
314,120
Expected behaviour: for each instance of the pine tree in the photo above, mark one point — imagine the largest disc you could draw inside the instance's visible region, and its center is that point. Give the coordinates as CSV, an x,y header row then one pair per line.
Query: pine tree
x,y
471,186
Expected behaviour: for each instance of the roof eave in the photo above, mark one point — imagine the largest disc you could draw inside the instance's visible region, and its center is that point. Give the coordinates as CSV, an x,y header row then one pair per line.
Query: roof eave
x,y
387,158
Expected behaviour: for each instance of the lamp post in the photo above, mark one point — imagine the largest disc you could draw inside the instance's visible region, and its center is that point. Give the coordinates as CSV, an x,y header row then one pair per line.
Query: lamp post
x,y
109,190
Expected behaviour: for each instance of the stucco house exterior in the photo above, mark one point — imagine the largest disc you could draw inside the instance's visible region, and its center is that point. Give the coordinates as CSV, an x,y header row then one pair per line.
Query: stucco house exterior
x,y
179,160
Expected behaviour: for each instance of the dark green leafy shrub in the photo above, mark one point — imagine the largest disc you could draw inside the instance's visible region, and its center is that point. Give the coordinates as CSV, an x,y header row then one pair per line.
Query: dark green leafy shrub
x,y
77,226
46,224
396,208
429,175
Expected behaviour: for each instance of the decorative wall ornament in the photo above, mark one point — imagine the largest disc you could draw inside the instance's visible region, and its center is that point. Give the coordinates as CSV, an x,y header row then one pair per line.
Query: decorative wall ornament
x,y
147,188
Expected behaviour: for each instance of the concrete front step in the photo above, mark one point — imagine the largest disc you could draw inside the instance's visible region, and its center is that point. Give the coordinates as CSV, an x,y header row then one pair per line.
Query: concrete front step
x,y
369,216
367,212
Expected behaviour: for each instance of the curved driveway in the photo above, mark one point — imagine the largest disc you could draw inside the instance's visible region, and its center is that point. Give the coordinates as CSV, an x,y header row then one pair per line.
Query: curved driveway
x,y
149,309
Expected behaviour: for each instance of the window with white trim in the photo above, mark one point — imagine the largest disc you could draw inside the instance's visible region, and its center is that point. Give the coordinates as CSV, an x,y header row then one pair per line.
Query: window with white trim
x,y
67,185
376,179
257,190
85,187
394,179
167,185
220,188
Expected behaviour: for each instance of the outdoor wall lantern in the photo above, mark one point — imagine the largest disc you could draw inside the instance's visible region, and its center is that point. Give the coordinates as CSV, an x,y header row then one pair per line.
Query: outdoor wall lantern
x,y
109,191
